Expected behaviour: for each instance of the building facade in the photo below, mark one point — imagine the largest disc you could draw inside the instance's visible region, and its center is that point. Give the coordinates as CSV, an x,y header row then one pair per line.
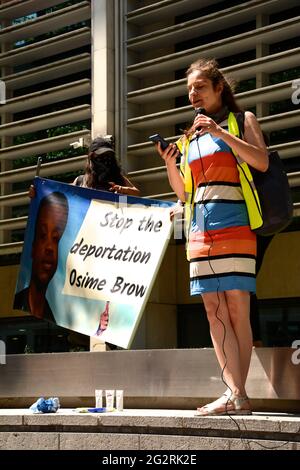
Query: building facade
x,y
77,69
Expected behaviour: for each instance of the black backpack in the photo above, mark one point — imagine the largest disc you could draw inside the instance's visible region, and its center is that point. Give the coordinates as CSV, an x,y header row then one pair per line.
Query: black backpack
x,y
273,190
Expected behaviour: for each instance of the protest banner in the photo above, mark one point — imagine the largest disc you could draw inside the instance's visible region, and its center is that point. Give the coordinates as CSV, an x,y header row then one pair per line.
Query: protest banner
x,y
90,258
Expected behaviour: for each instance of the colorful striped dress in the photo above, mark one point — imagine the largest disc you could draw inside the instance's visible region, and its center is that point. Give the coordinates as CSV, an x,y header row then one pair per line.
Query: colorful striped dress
x,y
221,244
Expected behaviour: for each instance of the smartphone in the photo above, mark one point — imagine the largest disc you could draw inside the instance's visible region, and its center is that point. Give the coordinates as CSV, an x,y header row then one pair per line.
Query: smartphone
x,y
158,138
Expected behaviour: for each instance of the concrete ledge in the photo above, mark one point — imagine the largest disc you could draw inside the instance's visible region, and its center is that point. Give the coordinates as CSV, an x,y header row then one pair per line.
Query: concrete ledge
x,y
146,430
107,442
208,443
147,421
28,441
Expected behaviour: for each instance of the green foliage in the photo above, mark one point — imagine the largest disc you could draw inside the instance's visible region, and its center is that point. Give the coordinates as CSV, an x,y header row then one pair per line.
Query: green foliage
x,y
17,235
246,85
284,135
54,131
55,155
49,34
284,75
282,106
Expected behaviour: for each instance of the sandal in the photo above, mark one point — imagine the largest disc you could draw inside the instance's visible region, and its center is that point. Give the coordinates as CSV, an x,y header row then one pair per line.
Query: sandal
x,y
233,405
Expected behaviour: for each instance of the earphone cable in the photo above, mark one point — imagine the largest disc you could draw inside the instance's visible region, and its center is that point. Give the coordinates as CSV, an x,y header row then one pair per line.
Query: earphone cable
x,y
210,264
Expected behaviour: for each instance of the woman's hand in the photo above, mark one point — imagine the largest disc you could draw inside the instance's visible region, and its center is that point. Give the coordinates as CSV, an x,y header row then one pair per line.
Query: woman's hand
x,y
178,209
129,190
203,125
31,192
116,188
175,178
169,155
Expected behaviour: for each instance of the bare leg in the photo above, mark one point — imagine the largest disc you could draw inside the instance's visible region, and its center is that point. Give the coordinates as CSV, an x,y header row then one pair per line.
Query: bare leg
x,y
238,303
233,348
217,309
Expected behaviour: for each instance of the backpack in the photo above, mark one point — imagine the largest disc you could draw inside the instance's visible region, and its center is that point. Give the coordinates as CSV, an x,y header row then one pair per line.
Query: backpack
x,y
273,190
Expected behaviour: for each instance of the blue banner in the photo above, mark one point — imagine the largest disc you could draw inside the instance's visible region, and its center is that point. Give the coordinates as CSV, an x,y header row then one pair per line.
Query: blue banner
x,y
90,258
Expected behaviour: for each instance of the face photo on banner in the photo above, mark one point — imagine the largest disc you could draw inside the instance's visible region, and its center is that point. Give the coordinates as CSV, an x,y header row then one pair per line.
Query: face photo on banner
x,y
51,219
108,252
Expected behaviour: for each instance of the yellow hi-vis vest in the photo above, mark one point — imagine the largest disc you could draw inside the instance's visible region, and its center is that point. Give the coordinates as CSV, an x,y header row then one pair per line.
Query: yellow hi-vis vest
x,y
183,144
247,184
246,179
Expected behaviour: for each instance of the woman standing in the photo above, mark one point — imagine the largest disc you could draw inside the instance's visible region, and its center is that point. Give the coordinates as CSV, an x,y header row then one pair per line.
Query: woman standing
x,y
221,245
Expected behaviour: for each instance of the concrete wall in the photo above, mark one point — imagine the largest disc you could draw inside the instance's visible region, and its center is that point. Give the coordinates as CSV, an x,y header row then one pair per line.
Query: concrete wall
x,y
8,279
280,273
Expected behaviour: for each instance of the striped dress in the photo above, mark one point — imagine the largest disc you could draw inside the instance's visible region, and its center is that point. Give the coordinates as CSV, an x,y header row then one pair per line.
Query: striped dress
x,y
221,244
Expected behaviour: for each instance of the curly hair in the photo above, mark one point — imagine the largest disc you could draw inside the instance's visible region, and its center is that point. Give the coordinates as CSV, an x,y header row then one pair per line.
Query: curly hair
x,y
210,70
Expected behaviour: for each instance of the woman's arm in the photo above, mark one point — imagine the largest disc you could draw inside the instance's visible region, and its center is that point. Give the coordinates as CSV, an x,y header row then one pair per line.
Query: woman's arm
x,y
175,179
252,149
129,189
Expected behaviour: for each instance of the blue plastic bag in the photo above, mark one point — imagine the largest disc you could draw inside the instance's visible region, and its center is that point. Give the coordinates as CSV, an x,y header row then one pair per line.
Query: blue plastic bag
x,y
43,405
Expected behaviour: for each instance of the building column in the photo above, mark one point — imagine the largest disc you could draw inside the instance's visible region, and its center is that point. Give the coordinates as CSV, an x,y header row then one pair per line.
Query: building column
x,y
102,23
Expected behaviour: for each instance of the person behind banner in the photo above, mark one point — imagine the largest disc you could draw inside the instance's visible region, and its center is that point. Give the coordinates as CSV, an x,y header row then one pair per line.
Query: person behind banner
x,y
221,247
103,171
50,223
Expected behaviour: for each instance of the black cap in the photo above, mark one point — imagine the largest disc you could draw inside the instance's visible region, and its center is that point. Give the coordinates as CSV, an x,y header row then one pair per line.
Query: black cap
x,y
101,145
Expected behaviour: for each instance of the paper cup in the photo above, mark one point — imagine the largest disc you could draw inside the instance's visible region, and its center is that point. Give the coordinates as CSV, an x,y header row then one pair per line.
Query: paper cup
x,y
98,398
109,396
119,399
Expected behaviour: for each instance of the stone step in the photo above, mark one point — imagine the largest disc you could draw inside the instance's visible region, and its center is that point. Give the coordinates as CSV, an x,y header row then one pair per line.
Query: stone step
x,y
146,430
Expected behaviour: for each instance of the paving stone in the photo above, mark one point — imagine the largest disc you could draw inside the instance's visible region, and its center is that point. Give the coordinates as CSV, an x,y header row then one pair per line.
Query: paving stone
x,y
260,424
140,421
11,420
86,419
98,441
225,423
259,444
28,441
158,442
212,423
291,425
